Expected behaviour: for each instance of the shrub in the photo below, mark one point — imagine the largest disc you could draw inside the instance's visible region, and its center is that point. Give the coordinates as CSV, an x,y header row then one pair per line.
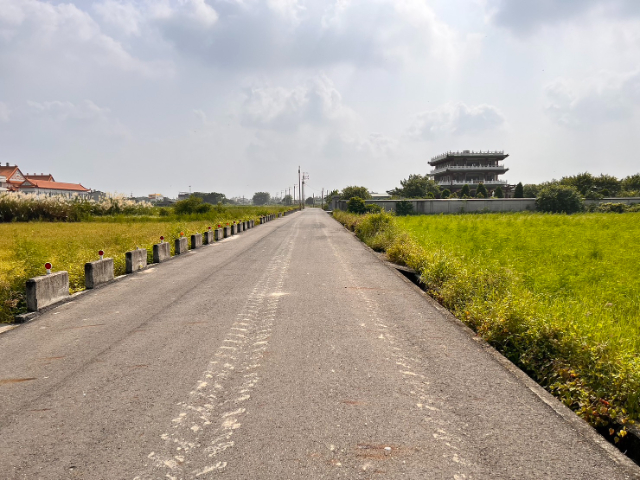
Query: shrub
x,y
404,207
373,208
464,191
356,205
378,230
192,204
498,193
559,199
481,191
446,193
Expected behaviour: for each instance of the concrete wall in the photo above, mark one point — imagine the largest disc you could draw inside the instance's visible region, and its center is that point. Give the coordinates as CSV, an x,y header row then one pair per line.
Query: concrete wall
x,y
46,290
459,205
135,260
98,272
196,240
181,245
161,252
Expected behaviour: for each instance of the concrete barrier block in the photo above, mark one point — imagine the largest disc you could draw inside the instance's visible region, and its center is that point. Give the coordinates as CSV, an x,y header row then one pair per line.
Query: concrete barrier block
x,y
240,227
196,240
207,237
135,260
227,231
98,272
46,290
161,252
234,229
218,234
181,245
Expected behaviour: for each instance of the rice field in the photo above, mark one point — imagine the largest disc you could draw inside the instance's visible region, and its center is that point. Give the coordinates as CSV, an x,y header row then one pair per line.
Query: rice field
x,y
559,295
26,247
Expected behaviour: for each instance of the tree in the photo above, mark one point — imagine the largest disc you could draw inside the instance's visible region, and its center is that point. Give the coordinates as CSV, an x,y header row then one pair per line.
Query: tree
x,y
559,199
356,205
498,193
192,204
309,201
350,192
481,191
632,182
446,193
287,200
213,198
583,182
530,190
607,185
464,191
261,198
519,191
416,186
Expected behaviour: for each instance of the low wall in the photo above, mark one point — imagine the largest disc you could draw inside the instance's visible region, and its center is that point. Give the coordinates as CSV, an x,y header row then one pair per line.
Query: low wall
x,y
196,240
161,252
135,260
470,205
98,272
181,245
47,290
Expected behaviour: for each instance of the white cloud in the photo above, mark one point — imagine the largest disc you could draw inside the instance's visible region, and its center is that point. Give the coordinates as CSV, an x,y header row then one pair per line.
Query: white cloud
x,y
124,16
455,119
316,102
594,100
340,145
87,110
277,33
59,34
523,17
5,112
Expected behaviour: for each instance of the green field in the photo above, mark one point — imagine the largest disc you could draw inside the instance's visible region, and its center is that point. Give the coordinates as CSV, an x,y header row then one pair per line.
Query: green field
x,y
26,247
557,294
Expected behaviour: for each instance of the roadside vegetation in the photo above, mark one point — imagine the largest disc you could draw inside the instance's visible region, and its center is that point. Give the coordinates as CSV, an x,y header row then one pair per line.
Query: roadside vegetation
x,y
559,295
68,234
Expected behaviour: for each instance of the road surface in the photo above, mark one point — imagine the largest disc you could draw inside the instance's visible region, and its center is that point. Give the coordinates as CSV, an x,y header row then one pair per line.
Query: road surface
x,y
289,351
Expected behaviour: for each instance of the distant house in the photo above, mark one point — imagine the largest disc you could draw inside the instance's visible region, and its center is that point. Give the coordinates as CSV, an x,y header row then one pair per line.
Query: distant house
x,y
39,184
3,183
50,189
13,176
453,170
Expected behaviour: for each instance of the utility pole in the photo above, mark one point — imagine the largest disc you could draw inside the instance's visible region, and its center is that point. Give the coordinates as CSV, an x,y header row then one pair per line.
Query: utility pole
x,y
294,194
323,198
300,188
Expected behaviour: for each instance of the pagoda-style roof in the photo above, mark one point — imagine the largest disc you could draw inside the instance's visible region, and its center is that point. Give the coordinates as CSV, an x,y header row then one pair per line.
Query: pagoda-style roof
x,y
470,154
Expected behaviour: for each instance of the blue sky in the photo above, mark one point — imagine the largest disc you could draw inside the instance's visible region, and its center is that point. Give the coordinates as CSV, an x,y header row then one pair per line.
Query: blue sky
x,y
232,95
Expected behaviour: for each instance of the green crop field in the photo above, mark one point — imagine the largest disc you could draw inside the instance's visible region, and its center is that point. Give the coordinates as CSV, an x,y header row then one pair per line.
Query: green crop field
x,y
26,246
559,295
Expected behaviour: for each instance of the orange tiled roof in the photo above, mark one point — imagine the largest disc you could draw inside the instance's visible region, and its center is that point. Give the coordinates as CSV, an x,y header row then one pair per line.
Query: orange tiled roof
x,y
45,185
48,177
8,172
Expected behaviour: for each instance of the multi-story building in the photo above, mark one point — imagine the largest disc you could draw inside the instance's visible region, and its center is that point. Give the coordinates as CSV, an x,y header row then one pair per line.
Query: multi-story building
x,y
452,170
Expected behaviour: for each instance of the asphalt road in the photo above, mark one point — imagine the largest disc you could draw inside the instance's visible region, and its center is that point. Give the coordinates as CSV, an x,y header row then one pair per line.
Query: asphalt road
x,y
289,351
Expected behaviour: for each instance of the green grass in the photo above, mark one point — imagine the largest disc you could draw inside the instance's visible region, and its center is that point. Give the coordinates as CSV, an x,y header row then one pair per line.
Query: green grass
x,y
26,247
558,295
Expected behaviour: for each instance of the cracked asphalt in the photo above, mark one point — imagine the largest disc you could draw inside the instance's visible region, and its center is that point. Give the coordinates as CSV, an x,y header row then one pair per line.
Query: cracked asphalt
x,y
288,351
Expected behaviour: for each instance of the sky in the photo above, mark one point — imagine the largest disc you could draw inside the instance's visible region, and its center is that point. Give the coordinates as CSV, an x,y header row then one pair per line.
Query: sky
x,y
162,96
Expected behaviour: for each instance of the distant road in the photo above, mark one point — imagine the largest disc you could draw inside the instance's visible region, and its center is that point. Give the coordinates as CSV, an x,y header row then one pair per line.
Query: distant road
x,y
287,352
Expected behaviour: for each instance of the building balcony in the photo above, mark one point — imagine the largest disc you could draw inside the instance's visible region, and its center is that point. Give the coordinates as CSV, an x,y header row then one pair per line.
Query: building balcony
x,y
471,168
455,183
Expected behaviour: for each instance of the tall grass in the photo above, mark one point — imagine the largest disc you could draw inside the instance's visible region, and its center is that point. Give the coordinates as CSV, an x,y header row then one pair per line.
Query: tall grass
x,y
558,295
26,247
